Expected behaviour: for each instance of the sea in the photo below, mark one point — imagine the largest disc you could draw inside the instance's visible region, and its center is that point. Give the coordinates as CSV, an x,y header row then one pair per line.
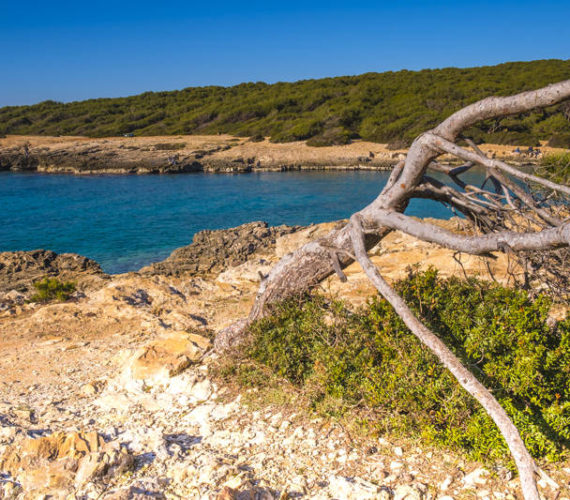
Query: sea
x,y
127,222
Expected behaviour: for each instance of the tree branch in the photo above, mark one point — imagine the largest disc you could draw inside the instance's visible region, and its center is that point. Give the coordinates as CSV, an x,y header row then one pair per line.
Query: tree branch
x,y
476,245
464,154
526,466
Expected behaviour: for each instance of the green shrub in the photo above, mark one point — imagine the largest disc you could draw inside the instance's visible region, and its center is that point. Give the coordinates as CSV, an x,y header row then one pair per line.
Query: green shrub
x,y
257,138
369,359
380,107
330,137
50,289
559,141
556,167
169,146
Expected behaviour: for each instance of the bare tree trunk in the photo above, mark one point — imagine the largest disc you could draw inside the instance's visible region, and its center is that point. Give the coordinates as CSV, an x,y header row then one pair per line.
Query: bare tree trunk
x,y
512,217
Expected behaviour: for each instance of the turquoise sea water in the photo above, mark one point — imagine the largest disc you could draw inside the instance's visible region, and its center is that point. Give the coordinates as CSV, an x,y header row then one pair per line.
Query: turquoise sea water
x,y
126,222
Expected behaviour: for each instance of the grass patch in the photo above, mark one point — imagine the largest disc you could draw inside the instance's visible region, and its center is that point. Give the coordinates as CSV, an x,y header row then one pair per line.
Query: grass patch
x,y
367,363
51,289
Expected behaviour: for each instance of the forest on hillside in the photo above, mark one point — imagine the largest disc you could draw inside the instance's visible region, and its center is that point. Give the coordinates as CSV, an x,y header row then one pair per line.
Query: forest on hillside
x,y
390,107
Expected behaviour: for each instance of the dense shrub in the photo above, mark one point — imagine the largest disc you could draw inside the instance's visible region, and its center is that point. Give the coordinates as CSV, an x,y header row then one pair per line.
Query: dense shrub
x,y
556,167
379,107
369,359
257,138
330,137
50,289
559,141
169,146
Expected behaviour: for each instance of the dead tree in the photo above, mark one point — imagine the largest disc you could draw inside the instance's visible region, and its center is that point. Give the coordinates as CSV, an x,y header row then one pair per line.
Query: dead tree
x,y
513,211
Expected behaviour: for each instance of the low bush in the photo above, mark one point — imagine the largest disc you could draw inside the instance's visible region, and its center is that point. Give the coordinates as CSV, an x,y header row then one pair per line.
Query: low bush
x,y
169,146
556,167
397,144
330,137
559,141
50,289
257,138
368,359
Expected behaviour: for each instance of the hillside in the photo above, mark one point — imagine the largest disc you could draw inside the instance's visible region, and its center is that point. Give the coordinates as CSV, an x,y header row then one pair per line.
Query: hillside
x,y
391,107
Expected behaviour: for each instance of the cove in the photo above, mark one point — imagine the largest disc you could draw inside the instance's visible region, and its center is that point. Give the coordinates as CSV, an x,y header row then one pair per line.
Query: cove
x,y
126,222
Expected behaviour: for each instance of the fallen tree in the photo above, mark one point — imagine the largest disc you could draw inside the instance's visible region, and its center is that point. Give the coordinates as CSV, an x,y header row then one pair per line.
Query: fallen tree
x,y
513,211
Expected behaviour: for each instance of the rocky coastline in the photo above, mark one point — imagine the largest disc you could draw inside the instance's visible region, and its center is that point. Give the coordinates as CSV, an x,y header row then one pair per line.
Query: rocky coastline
x,y
166,155
113,394
191,154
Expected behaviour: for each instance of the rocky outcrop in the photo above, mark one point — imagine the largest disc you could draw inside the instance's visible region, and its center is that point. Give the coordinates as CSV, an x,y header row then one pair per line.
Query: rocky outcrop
x,y
59,464
181,154
212,252
19,270
96,160
167,356
118,395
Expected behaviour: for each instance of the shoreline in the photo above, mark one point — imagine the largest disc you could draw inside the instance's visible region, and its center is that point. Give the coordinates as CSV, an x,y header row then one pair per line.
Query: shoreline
x,y
203,154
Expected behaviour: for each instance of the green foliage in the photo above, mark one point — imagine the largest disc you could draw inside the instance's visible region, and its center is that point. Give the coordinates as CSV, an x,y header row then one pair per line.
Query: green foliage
x,y
556,167
369,359
256,138
50,289
330,137
560,141
379,107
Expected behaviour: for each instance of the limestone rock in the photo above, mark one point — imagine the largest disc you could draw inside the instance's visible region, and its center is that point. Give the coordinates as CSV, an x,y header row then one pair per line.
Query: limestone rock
x,y
59,463
19,270
292,241
409,492
475,478
212,252
353,488
168,356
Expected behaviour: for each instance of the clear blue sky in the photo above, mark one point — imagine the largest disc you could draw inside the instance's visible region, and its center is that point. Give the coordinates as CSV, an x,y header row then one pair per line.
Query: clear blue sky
x,y
76,50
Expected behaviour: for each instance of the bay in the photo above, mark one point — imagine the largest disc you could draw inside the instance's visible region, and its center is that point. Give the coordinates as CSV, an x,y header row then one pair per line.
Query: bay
x,y
126,222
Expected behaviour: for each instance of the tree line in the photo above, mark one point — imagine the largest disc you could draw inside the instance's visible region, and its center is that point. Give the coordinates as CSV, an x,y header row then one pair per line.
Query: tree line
x,y
390,107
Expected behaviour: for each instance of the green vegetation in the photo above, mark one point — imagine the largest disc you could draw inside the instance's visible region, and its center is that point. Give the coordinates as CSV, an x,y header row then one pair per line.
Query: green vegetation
x,y
50,289
367,362
169,146
556,167
381,107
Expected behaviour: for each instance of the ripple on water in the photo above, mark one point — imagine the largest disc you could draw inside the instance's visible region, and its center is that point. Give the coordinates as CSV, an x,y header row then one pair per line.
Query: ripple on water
x,y
126,222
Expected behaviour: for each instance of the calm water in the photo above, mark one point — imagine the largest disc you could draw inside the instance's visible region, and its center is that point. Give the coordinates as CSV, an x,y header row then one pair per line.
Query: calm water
x,y
125,222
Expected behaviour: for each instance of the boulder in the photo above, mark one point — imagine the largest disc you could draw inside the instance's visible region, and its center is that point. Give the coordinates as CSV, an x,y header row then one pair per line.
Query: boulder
x,y
167,356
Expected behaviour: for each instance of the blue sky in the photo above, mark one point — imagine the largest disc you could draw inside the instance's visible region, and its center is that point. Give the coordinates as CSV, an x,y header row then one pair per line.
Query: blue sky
x,y
77,50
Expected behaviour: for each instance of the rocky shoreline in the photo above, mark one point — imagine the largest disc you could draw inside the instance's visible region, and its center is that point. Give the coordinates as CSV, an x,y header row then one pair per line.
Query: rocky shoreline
x,y
213,154
188,154
114,395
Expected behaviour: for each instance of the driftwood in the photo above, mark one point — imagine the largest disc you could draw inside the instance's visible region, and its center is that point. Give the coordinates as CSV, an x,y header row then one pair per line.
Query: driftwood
x,y
514,211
